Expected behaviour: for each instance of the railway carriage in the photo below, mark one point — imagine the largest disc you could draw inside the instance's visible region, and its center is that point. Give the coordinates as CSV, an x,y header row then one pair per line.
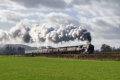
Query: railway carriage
x,y
81,49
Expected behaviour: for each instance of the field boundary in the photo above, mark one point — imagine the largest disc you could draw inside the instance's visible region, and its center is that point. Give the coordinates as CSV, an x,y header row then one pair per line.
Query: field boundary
x,y
96,56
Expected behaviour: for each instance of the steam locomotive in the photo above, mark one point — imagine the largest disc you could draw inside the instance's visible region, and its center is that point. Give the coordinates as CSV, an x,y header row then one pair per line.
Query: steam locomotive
x,y
80,49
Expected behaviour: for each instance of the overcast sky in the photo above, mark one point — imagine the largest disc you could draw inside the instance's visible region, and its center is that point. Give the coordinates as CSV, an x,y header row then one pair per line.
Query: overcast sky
x,y
100,17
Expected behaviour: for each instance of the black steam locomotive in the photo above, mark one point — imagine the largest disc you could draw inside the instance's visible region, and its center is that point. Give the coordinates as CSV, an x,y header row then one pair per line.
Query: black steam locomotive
x,y
81,49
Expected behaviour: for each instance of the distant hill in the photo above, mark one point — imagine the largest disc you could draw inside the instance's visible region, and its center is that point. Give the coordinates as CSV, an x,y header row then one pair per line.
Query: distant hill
x,y
3,46
26,47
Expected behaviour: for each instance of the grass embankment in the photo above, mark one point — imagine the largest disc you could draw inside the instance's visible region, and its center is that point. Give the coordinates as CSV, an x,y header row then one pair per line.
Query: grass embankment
x,y
42,68
96,56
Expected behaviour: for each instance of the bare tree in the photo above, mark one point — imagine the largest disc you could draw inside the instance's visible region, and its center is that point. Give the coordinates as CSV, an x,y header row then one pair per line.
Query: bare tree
x,y
106,48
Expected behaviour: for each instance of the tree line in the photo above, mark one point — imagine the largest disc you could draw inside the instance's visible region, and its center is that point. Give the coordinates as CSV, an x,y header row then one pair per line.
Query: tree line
x,y
108,49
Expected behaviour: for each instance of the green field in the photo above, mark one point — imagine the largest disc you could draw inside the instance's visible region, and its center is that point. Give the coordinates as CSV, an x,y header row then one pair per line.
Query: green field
x,y
42,68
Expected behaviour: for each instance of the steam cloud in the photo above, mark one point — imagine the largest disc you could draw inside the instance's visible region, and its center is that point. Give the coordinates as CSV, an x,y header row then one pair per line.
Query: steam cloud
x,y
39,33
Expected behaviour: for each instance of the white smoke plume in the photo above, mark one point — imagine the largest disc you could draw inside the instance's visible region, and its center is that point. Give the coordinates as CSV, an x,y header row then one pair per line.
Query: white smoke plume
x,y
21,33
59,34
3,35
17,34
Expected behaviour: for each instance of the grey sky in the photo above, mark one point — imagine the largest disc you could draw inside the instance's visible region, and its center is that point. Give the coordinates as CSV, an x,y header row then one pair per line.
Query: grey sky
x,y
100,17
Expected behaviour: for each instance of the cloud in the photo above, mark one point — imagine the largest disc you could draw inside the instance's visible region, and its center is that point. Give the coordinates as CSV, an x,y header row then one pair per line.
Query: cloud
x,y
15,17
55,4
108,29
81,2
56,19
101,17
4,2
8,16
